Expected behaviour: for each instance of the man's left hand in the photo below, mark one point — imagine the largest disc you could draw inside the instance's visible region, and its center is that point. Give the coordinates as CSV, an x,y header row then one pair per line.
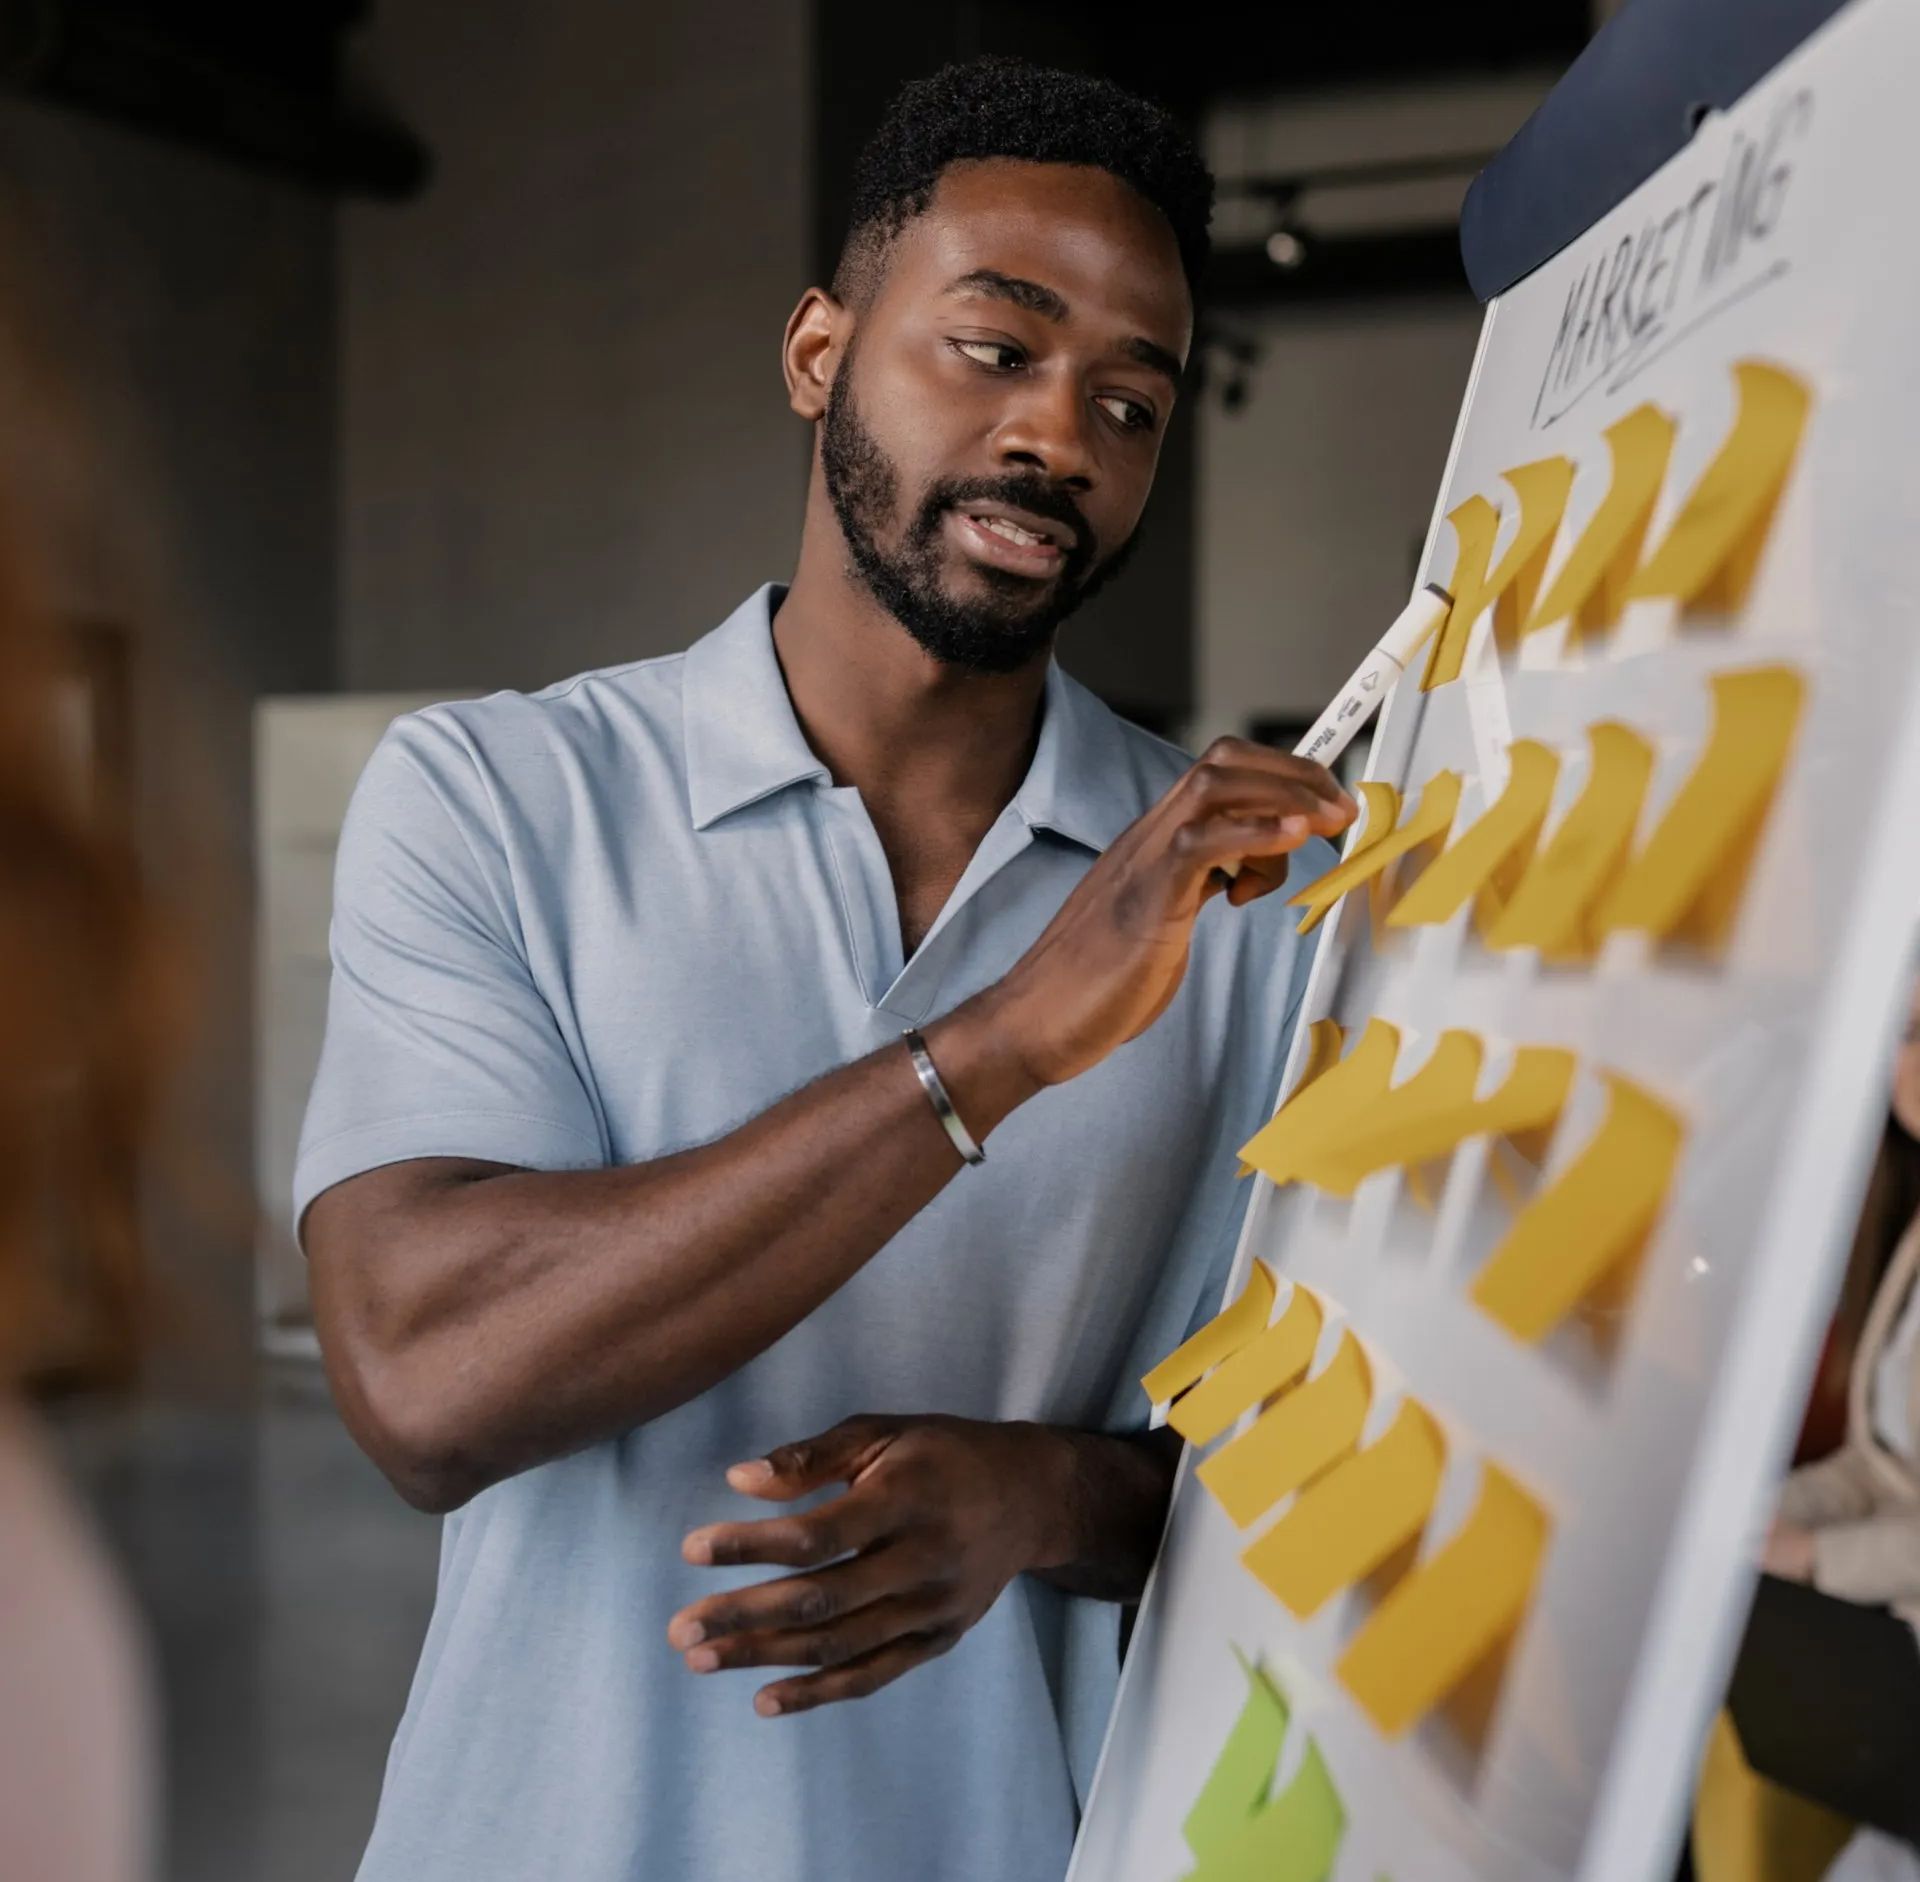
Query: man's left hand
x,y
938,1516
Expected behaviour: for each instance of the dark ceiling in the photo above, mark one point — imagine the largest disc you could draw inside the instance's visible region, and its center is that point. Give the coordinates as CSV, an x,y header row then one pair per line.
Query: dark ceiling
x,y
260,84
266,83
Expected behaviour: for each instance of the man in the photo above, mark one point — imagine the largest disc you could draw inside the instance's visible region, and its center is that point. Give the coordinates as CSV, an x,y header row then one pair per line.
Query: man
x,y
628,1199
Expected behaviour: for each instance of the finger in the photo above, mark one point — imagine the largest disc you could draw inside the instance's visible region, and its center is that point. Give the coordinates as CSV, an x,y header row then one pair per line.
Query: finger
x,y
1259,875
800,1601
857,1678
836,1456
1199,849
835,1643
1243,754
855,1521
1254,788
1254,794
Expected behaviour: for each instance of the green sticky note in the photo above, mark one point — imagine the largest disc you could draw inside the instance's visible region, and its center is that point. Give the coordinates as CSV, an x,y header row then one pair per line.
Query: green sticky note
x,y
1293,1839
1237,1785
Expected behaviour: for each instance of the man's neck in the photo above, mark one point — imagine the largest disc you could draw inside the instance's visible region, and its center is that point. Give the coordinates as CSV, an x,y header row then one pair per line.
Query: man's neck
x,y
914,737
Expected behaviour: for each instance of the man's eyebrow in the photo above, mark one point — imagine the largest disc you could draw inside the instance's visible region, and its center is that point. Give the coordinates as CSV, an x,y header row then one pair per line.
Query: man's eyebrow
x,y
1010,287
1156,358
1042,300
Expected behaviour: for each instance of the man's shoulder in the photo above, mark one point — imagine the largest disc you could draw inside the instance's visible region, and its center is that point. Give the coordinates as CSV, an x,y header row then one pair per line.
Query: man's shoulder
x,y
1113,754
508,737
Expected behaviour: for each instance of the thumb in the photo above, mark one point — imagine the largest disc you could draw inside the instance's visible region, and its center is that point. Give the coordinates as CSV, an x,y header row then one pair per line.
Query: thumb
x,y
836,1456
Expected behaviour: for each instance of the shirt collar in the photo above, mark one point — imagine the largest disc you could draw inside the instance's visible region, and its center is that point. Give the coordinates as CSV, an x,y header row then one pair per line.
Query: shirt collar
x,y
743,743
1086,782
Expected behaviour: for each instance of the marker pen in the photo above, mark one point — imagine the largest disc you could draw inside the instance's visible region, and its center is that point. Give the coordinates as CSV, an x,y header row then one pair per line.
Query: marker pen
x,y
1373,679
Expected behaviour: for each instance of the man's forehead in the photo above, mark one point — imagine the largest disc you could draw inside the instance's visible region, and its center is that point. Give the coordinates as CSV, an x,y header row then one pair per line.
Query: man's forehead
x,y
1080,233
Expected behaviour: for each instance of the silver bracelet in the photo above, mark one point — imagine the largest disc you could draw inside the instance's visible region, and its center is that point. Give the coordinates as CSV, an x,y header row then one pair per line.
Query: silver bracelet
x,y
937,1097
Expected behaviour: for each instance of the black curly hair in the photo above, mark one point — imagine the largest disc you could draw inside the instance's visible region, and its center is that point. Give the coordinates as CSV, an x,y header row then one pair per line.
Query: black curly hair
x,y
1007,108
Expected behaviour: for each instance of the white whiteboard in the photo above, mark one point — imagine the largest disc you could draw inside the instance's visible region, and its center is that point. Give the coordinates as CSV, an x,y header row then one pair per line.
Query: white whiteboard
x,y
1656,1464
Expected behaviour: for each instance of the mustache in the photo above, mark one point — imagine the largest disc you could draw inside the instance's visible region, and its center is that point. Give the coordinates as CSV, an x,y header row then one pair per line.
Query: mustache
x,y
1033,494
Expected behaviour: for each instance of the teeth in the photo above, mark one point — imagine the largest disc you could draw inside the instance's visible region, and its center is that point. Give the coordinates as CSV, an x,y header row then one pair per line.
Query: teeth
x,y
1012,531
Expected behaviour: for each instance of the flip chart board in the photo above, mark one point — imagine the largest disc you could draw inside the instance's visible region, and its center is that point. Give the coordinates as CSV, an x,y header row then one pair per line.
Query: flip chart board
x,y
1546,1227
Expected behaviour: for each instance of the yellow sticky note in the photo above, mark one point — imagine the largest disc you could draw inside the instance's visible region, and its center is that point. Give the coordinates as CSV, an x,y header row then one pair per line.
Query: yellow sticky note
x,y
1553,901
1431,821
1688,878
1746,1828
1295,1838
1294,1439
1419,1188
1514,585
1710,554
1270,1362
1483,854
1237,1785
1442,1618
1590,1218
1344,1526
1475,524
1531,1096
1384,1133
1223,1335
1325,1037
1381,806
1592,583
1379,812
1317,1109
1529,1099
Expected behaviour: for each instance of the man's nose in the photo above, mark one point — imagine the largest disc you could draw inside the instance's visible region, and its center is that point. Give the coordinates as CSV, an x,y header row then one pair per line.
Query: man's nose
x,y
1047,428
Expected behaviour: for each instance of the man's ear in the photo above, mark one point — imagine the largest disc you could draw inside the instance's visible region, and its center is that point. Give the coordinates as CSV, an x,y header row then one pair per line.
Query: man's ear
x,y
810,355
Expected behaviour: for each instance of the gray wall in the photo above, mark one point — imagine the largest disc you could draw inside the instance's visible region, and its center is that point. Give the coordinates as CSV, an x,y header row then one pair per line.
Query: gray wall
x,y
564,436
167,378
1315,498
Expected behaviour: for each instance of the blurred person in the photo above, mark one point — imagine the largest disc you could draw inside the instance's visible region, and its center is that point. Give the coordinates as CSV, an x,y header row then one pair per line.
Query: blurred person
x,y
1824,1703
1827,1687
85,999
1849,1524
618,1170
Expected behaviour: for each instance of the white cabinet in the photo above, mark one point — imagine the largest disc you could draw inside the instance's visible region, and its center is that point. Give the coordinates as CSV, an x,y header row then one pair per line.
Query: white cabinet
x,y
308,754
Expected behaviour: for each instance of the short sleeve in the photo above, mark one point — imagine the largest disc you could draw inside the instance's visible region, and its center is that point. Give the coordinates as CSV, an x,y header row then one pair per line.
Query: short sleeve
x,y
438,1041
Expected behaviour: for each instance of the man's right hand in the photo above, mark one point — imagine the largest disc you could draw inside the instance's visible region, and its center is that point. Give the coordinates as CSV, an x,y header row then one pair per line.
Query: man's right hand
x,y
1110,962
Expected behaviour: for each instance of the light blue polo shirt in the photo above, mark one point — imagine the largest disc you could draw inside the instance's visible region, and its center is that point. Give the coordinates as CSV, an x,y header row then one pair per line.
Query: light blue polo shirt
x,y
620,917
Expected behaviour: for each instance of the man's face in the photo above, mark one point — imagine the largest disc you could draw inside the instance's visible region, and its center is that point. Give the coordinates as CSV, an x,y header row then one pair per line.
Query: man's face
x,y
992,431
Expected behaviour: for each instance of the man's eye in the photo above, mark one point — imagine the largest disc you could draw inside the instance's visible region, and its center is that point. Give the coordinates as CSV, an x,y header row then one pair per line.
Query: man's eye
x,y
994,353
1129,414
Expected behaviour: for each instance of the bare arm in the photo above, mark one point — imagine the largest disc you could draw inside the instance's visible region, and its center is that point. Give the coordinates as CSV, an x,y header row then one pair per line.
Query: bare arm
x,y
478,1320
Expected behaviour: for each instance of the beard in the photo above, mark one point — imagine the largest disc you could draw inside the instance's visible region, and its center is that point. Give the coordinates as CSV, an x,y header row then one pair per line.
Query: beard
x,y
1015,620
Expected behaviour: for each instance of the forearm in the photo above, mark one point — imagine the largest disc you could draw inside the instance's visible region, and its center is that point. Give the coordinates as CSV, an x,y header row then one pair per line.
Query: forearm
x,y
1108,1497
494,1320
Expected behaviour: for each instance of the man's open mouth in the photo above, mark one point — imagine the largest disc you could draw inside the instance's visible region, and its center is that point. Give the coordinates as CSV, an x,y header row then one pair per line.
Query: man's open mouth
x,y
1008,538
